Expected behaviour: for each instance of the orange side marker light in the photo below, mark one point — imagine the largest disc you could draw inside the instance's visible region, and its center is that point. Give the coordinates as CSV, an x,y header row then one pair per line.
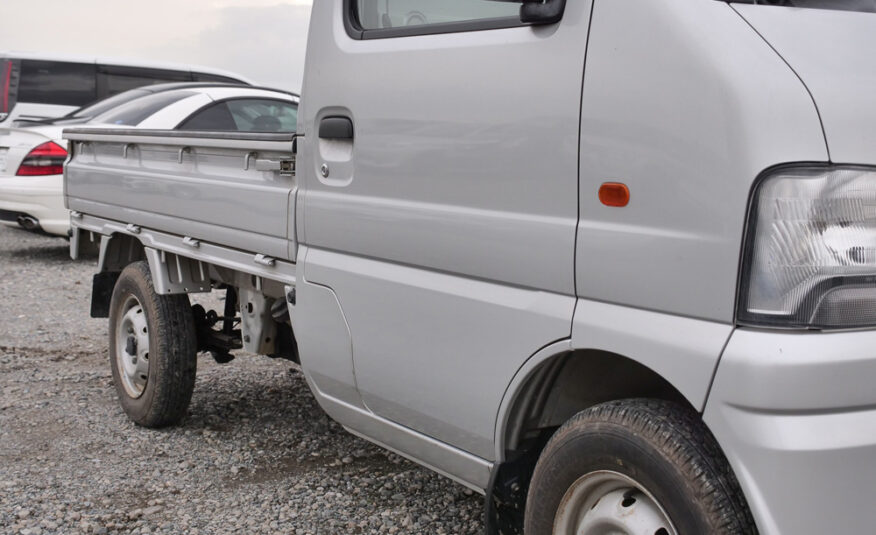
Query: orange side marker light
x,y
614,194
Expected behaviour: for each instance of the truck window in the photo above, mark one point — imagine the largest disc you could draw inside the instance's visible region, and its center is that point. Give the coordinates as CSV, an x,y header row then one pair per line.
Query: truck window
x,y
57,82
395,18
245,115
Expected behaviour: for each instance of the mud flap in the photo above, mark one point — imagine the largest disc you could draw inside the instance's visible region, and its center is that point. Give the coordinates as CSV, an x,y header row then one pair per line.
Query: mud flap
x,y
102,286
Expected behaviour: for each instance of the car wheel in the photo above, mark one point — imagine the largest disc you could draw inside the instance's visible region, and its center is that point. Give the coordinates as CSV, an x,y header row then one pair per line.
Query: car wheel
x,y
153,349
637,467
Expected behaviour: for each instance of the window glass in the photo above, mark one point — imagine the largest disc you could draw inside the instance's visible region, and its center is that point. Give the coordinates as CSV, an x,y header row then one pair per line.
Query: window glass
x,y
214,118
246,115
112,79
57,82
9,74
387,14
137,111
108,103
263,115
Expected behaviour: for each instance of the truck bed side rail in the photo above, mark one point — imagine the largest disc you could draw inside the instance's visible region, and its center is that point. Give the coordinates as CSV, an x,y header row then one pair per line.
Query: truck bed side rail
x,y
232,140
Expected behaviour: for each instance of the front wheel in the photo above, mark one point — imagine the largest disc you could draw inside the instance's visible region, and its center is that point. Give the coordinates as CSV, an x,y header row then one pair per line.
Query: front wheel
x,y
635,467
153,349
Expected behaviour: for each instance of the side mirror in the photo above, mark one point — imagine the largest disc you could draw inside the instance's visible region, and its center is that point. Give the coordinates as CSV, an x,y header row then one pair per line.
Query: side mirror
x,y
542,11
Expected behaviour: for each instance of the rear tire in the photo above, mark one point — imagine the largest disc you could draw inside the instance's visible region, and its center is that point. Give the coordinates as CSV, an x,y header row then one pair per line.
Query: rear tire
x,y
152,349
638,466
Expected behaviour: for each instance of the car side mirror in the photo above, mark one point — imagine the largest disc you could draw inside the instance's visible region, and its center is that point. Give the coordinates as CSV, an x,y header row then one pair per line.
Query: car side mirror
x,y
542,11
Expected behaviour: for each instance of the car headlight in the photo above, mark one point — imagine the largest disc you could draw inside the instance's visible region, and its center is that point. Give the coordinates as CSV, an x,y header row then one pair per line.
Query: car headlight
x,y
810,259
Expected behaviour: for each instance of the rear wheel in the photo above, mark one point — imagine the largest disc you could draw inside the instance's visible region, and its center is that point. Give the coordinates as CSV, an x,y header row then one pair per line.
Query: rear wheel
x,y
153,349
635,467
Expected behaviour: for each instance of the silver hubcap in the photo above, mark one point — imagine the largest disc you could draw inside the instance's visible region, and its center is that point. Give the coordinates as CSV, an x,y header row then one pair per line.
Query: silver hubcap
x,y
132,348
610,503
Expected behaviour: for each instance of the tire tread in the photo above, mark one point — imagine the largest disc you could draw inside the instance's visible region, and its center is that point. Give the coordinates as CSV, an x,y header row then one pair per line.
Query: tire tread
x,y
681,437
175,355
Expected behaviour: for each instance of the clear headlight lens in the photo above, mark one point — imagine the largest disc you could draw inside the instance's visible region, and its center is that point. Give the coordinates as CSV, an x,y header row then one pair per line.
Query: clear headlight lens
x,y
811,250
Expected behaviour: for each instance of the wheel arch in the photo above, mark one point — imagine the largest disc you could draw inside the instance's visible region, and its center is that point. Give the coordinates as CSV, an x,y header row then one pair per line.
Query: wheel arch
x,y
556,383
560,381
119,250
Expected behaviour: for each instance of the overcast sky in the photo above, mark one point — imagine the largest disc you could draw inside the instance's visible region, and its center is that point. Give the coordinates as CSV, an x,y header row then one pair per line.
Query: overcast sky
x,y
261,39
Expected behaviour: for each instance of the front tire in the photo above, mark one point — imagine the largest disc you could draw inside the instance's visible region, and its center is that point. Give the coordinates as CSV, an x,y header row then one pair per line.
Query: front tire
x,y
637,467
153,349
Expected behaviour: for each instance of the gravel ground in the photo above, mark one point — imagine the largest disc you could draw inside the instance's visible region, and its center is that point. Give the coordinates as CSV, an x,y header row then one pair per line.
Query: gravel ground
x,y
255,455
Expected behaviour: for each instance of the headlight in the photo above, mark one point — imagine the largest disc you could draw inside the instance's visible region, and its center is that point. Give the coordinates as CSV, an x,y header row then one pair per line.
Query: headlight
x,y
810,258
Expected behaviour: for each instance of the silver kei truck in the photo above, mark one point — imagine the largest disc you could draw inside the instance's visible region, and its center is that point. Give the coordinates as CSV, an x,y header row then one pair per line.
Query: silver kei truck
x,y
610,262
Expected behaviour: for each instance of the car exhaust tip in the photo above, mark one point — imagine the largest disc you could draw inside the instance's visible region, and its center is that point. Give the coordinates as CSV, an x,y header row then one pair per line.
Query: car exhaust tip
x,y
28,222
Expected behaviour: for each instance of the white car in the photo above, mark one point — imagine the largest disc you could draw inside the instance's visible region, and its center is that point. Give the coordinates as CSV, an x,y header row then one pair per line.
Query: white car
x,y
32,158
86,113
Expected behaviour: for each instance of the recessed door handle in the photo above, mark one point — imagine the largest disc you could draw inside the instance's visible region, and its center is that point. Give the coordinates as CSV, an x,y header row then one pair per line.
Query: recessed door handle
x,y
336,128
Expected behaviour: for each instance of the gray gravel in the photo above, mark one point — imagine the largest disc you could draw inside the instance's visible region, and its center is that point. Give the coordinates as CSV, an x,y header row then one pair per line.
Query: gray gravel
x,y
255,455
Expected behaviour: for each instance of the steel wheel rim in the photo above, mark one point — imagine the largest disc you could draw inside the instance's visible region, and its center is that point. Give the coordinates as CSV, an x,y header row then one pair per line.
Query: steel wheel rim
x,y
132,347
610,503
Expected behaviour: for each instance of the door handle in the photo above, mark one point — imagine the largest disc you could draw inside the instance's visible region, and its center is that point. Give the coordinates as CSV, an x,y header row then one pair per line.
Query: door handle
x,y
336,128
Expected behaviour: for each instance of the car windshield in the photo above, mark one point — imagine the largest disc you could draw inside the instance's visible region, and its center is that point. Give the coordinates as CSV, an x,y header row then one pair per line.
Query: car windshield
x,y
866,6
107,104
138,110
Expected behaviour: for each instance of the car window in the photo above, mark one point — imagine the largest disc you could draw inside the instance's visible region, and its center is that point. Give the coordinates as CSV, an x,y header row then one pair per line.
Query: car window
x,y
136,111
264,115
393,14
215,117
57,82
108,103
245,115
113,79
9,74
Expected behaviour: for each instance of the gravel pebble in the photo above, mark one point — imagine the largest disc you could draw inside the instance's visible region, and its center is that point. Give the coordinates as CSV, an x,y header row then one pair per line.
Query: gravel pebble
x,y
255,455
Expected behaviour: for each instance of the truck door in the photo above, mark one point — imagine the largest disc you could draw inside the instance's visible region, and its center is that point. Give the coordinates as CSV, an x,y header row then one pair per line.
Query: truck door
x,y
439,175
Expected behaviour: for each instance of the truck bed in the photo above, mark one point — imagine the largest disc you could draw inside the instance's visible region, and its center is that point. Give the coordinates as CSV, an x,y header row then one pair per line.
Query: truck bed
x,y
232,189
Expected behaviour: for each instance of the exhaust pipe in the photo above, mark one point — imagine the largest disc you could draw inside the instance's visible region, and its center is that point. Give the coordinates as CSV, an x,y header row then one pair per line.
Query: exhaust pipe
x,y
28,222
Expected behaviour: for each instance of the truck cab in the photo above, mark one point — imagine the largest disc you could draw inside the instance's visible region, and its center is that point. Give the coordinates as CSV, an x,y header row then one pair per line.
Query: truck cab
x,y
535,217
